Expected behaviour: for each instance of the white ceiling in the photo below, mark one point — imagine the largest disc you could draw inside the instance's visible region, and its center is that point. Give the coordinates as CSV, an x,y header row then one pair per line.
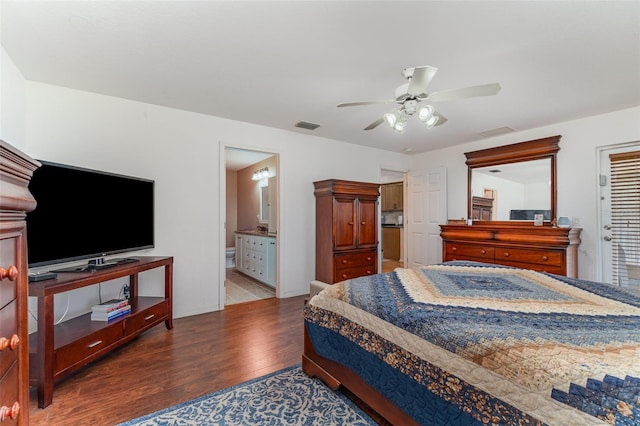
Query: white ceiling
x,y
277,63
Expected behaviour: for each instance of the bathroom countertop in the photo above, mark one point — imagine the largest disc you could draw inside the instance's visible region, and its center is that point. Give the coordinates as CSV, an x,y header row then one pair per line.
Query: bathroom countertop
x,y
256,232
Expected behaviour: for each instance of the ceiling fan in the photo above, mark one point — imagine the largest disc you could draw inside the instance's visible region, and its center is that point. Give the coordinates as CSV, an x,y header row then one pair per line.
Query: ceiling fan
x,y
409,96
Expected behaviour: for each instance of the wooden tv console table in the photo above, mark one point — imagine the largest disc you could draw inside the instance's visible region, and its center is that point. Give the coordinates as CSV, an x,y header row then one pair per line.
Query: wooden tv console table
x,y
57,350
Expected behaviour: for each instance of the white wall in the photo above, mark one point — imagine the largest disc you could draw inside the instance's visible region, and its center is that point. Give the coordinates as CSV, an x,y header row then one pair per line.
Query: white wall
x,y
577,171
181,152
12,102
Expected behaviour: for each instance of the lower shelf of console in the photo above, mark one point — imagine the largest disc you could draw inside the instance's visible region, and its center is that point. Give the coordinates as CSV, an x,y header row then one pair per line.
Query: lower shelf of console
x,y
79,341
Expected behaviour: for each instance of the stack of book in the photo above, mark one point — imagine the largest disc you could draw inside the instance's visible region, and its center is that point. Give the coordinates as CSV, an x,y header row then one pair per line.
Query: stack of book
x,y
110,309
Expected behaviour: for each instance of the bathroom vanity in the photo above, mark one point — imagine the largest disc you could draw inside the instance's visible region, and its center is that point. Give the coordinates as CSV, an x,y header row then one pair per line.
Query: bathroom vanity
x,y
256,256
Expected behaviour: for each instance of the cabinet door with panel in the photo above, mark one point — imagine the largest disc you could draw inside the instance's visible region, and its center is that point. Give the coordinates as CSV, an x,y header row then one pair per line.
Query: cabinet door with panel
x,y
344,229
367,223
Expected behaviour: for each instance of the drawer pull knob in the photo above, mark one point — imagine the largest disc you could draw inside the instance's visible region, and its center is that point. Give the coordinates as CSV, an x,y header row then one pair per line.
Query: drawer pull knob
x,y
344,276
545,258
506,254
483,251
6,412
11,273
369,272
454,249
368,258
9,343
15,341
149,317
363,223
350,223
344,261
94,344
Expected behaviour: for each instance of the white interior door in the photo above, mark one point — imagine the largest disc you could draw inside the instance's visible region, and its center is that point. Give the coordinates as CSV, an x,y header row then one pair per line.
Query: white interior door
x,y
426,211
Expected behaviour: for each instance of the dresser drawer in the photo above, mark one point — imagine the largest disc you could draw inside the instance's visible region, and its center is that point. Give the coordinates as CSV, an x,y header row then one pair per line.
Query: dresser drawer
x,y
86,346
8,330
552,269
464,251
146,318
8,263
538,257
9,394
351,260
348,273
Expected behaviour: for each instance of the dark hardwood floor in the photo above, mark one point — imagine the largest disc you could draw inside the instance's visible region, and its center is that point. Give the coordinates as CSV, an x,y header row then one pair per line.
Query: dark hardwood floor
x,y
202,354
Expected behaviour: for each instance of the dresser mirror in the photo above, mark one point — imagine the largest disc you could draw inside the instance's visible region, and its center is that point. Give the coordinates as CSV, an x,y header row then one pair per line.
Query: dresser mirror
x,y
513,182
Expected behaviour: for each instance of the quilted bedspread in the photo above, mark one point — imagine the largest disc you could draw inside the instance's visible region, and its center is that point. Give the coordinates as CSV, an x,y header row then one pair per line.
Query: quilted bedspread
x,y
506,345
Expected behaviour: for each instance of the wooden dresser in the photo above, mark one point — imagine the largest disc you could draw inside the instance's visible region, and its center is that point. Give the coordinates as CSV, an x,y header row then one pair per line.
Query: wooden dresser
x,y
520,244
16,170
346,229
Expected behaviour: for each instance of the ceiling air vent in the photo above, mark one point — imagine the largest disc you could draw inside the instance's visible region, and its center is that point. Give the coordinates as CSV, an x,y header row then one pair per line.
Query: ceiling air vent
x,y
496,132
307,125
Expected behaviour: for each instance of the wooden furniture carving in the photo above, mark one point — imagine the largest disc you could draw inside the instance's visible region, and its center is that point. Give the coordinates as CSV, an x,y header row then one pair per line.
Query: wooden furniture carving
x,y
346,229
520,244
16,170
56,351
524,153
481,208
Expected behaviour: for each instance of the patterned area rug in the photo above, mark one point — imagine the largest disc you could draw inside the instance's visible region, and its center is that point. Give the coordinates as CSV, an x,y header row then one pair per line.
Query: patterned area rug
x,y
285,397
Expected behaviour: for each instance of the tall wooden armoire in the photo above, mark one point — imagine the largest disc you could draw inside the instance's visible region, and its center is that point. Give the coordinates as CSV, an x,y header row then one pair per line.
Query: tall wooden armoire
x,y
346,229
16,170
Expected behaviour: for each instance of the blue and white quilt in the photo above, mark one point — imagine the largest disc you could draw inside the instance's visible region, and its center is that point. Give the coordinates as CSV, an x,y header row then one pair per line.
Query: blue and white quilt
x,y
470,343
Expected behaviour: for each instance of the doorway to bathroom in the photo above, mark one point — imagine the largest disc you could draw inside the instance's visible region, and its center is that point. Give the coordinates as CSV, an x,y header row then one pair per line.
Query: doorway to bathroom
x,y
251,225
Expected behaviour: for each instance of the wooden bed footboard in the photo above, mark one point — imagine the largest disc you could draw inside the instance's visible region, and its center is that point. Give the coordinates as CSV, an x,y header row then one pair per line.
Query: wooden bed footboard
x,y
336,375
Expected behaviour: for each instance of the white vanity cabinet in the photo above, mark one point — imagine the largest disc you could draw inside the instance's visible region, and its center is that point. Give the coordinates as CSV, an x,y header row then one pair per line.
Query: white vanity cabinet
x,y
256,257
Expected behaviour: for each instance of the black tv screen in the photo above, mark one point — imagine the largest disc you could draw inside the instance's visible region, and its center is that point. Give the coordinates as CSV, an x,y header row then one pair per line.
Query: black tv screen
x,y
84,214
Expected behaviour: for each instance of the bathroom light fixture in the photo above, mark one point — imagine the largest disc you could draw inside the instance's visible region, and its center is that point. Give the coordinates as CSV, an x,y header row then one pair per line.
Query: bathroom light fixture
x,y
263,173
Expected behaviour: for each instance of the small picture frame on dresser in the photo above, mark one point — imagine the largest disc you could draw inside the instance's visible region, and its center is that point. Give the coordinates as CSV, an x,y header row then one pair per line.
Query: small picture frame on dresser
x,y
538,219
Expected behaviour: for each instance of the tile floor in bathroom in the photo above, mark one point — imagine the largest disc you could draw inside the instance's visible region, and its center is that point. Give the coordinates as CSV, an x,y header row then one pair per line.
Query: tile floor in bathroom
x,y
241,288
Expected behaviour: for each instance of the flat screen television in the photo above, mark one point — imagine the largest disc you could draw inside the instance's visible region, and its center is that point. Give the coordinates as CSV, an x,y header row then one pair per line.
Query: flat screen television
x,y
87,214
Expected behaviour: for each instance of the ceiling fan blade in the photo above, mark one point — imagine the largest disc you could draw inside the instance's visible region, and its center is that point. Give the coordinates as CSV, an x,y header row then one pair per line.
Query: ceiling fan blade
x,y
441,119
374,124
385,101
420,79
467,92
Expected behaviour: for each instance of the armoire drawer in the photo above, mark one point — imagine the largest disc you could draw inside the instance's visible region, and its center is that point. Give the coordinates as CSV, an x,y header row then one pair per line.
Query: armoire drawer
x,y
8,327
348,273
8,262
539,257
464,251
351,260
9,395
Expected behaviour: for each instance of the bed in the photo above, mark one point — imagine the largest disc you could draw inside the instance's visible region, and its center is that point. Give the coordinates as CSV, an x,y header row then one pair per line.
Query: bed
x,y
470,343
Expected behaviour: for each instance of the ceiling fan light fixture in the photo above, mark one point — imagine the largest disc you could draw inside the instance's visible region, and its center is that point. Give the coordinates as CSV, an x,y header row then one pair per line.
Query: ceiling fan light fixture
x,y
432,121
425,112
392,117
400,125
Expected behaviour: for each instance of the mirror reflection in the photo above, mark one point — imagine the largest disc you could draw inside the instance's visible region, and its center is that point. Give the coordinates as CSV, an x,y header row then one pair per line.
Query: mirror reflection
x,y
515,191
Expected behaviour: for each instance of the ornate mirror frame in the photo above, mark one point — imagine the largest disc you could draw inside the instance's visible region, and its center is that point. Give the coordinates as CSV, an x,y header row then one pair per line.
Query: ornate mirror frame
x,y
524,151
